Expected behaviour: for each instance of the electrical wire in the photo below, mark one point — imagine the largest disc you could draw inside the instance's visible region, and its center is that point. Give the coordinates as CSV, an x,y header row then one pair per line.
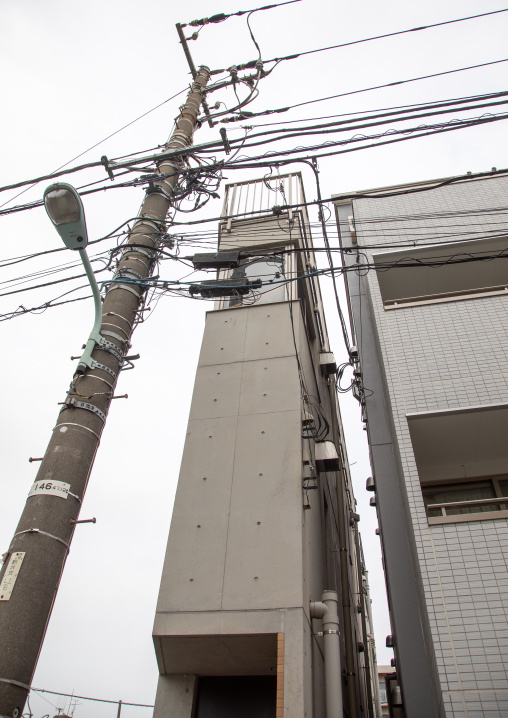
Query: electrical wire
x,y
224,16
179,287
390,34
57,172
277,157
345,125
218,144
371,113
378,87
88,698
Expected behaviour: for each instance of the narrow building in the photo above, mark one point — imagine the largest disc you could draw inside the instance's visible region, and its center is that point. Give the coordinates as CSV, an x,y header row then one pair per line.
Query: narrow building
x,y
427,280
262,608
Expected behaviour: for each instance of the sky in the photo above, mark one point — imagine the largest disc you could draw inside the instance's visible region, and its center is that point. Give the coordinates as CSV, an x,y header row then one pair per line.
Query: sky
x,y
74,74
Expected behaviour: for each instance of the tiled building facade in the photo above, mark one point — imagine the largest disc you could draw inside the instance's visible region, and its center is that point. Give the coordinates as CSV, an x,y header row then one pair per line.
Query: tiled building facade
x,y
427,285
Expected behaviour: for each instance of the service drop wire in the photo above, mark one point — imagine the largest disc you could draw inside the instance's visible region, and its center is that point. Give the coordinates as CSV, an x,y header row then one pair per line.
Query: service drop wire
x,y
180,288
123,163
294,56
278,157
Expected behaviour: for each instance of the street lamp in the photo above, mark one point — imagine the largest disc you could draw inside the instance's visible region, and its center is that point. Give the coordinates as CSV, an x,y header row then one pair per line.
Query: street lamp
x,y
65,209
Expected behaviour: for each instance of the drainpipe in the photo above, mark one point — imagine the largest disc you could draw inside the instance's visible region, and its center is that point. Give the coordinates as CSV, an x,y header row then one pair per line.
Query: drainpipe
x,y
366,640
327,610
343,563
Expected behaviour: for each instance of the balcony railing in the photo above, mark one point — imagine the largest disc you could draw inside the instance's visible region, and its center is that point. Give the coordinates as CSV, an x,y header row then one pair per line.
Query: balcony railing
x,y
244,200
437,513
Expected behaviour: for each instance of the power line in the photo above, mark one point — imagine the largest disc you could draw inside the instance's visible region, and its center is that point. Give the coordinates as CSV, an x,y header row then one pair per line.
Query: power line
x,y
345,125
277,157
218,143
220,17
176,287
376,87
367,113
389,34
88,698
57,173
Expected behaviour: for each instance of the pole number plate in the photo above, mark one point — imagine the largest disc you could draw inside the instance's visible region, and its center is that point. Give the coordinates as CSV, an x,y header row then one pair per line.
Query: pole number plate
x,y
10,575
51,488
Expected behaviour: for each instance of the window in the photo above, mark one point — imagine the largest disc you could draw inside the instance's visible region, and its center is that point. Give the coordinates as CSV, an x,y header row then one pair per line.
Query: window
x,y
473,497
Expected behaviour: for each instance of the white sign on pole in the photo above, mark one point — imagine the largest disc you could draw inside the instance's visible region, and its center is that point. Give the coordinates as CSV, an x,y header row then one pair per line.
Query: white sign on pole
x,y
51,488
10,575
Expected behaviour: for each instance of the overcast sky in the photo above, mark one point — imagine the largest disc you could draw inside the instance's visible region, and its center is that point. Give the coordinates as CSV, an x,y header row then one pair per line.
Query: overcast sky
x,y
72,74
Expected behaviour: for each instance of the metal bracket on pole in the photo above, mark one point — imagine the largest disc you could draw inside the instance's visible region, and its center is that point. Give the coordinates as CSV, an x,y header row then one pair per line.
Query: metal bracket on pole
x,y
111,348
192,68
98,365
78,404
130,361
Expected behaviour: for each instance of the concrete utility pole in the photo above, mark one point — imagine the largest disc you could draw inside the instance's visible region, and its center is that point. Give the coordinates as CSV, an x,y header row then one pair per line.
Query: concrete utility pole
x,y
36,556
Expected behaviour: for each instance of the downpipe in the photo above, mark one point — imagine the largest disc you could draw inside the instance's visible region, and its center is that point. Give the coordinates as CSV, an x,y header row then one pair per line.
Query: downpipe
x,y
326,609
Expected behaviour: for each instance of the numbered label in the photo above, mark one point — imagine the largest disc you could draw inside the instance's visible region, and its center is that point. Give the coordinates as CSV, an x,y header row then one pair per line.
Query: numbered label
x,y
50,488
10,575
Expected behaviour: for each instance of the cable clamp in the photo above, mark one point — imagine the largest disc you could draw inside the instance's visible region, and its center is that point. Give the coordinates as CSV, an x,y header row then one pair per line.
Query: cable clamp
x,y
332,631
111,349
127,272
174,165
98,365
44,533
125,286
148,254
80,426
176,142
157,189
14,683
115,336
152,221
115,326
105,163
180,135
147,218
78,404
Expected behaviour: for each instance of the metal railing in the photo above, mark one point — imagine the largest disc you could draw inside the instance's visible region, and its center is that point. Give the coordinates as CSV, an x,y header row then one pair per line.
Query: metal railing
x,y
254,198
496,504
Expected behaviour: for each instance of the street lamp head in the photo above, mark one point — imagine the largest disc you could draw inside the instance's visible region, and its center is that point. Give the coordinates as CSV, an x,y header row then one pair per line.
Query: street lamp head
x,y
65,209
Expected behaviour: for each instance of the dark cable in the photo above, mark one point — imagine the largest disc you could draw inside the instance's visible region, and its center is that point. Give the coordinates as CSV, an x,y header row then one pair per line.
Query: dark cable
x,y
399,108
314,167
95,164
345,125
87,698
390,34
378,87
220,17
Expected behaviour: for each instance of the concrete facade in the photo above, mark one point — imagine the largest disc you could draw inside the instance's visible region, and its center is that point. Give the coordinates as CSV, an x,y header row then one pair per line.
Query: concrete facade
x,y
433,346
252,543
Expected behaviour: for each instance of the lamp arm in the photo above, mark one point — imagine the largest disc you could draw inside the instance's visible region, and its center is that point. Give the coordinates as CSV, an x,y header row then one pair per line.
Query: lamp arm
x,y
95,335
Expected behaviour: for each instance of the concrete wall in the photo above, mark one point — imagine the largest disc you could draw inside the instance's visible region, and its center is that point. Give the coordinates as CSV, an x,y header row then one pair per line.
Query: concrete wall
x,y
239,537
435,357
249,548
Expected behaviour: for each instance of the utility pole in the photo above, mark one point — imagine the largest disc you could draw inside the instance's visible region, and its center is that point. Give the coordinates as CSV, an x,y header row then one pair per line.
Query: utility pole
x,y
36,556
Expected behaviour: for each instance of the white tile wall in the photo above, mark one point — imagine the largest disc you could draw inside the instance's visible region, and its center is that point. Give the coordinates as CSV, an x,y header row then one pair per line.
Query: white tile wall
x,y
445,356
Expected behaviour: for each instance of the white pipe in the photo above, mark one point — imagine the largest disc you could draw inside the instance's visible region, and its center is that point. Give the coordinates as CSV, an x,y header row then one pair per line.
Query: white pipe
x,y
327,610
